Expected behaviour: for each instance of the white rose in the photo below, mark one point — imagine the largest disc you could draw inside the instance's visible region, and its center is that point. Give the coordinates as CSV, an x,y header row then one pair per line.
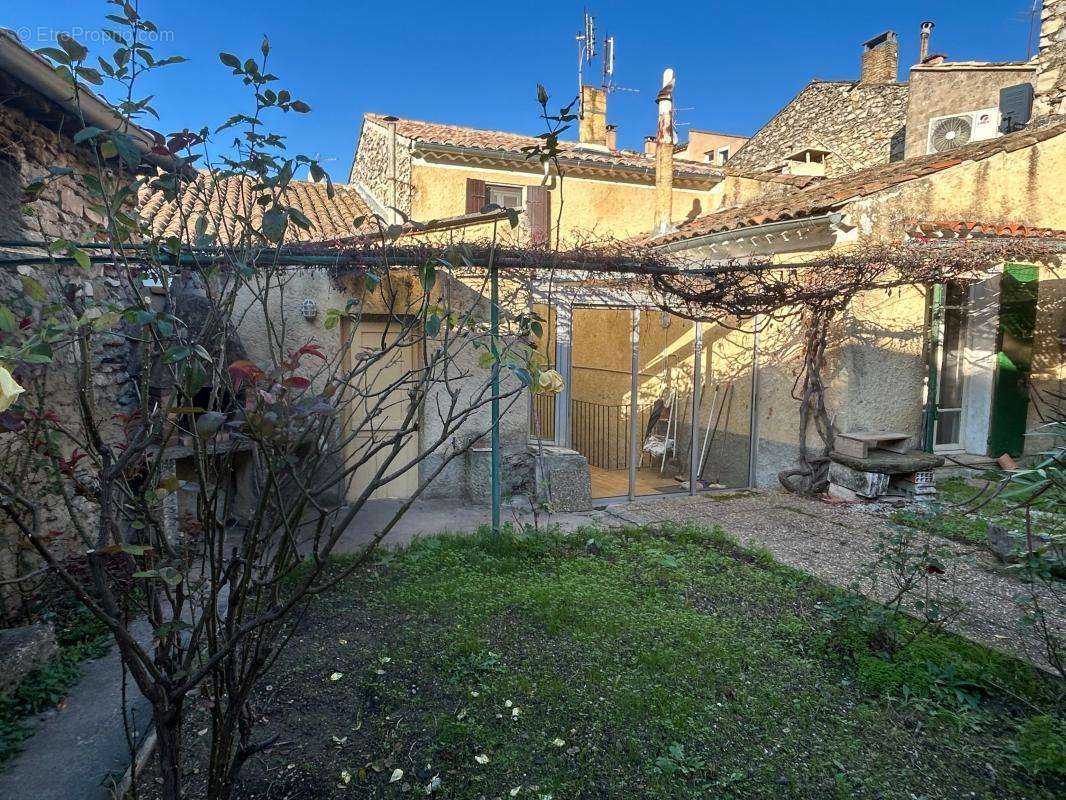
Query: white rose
x,y
9,389
549,382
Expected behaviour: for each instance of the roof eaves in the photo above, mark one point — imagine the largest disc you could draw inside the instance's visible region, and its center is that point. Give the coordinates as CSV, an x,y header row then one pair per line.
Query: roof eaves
x,y
516,156
36,72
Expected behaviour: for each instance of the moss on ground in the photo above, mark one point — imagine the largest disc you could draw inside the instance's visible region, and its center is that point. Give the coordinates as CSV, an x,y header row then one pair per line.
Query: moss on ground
x,y
961,513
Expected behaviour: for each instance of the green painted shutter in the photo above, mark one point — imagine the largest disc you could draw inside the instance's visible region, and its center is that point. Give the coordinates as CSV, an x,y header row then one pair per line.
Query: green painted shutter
x,y
1018,290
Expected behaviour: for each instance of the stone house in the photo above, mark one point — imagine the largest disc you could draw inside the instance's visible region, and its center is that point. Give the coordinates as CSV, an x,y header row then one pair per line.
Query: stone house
x,y
992,366
836,126
428,171
38,121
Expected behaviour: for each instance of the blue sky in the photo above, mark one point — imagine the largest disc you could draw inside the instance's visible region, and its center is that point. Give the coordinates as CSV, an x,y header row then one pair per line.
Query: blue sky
x,y
478,64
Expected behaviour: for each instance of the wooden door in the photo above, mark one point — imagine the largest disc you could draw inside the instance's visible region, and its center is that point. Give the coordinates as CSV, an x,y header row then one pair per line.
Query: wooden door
x,y
386,412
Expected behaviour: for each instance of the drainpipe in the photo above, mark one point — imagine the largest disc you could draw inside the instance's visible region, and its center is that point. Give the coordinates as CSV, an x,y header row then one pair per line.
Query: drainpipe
x,y
664,155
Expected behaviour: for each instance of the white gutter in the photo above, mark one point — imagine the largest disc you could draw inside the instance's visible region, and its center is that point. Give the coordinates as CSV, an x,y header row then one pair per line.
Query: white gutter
x,y
37,73
833,219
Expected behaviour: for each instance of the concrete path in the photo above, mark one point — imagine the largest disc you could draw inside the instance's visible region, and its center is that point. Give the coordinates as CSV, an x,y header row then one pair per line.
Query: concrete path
x,y
79,750
426,517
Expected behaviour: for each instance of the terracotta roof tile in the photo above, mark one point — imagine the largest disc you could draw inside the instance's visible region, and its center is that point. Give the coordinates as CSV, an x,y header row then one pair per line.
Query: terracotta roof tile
x,y
965,228
829,194
432,133
223,200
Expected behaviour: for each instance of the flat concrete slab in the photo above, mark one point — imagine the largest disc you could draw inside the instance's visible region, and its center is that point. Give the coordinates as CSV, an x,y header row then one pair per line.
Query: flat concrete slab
x,y
427,517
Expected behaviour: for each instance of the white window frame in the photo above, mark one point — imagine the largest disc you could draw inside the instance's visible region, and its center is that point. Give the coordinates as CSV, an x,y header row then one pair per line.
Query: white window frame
x,y
520,190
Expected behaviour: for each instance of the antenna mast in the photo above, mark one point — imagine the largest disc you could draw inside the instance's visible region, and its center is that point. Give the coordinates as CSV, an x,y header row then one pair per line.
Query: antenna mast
x,y
586,48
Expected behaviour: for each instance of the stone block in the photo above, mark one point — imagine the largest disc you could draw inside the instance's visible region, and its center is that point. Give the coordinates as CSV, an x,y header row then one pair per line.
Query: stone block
x,y
23,650
562,478
515,473
864,484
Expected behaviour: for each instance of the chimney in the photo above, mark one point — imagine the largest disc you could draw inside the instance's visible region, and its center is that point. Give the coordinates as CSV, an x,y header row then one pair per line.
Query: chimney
x,y
593,129
664,155
612,137
649,146
880,59
923,46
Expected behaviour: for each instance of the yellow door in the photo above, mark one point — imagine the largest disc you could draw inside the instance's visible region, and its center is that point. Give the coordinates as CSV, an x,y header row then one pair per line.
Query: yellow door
x,y
379,411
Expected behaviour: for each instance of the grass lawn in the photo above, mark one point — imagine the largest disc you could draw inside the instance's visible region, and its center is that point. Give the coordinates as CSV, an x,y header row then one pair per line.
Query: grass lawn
x,y
663,664
953,515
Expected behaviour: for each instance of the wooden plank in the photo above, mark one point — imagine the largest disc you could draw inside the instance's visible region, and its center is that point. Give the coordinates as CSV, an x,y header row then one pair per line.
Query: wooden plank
x,y
847,446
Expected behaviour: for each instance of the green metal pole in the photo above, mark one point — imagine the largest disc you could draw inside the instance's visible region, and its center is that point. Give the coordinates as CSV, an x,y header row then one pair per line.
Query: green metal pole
x,y
494,325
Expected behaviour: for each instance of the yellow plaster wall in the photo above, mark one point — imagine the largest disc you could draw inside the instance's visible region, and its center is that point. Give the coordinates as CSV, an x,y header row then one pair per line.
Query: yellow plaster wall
x,y
614,209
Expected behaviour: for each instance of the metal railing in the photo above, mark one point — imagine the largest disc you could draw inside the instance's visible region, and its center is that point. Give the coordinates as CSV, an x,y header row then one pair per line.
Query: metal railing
x,y
601,432
542,417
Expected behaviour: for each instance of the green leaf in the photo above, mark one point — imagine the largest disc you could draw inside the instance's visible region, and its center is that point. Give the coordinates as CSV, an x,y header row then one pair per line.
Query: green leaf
x,y
55,54
127,149
33,289
81,257
87,133
76,50
230,60
8,322
299,106
90,75
274,223
137,549
170,576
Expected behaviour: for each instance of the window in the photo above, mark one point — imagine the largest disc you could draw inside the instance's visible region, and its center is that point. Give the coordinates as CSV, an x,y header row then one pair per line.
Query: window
x,y
503,196
722,155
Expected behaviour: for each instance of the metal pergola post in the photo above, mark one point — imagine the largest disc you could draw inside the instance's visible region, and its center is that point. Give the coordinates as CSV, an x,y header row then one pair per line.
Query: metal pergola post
x,y
494,325
634,401
694,427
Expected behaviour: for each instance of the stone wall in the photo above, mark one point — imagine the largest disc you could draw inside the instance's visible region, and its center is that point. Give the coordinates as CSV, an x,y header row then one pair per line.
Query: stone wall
x,y
1051,61
27,149
942,89
855,122
382,166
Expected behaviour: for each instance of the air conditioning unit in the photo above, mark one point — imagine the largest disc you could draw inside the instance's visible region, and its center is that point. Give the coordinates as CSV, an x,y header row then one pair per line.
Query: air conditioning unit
x,y
955,130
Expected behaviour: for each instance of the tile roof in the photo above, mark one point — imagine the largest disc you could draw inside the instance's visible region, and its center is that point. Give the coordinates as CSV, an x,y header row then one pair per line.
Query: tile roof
x,y
832,193
432,133
221,201
964,229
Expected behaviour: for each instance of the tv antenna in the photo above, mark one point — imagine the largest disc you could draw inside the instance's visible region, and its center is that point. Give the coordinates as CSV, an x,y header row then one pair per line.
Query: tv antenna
x,y
586,47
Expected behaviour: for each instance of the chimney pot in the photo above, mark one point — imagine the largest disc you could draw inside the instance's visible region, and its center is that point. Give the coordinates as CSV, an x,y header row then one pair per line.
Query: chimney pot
x,y
612,137
880,59
649,146
923,46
